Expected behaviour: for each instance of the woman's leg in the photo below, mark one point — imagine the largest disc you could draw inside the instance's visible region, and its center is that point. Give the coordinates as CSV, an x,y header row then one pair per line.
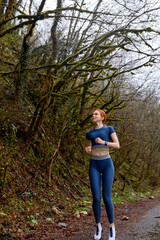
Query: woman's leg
x,y
107,178
95,181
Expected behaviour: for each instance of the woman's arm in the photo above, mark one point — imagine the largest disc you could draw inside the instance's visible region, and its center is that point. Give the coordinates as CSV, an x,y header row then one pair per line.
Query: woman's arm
x,y
88,146
114,144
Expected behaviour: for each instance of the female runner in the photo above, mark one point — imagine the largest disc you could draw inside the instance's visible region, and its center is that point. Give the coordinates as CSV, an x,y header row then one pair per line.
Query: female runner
x,y
99,140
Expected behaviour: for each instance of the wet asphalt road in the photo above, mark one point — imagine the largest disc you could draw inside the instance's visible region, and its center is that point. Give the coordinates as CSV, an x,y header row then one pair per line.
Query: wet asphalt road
x,y
147,229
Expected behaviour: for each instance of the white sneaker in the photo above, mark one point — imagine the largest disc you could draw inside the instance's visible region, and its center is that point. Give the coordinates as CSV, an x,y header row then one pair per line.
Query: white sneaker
x,y
98,232
112,233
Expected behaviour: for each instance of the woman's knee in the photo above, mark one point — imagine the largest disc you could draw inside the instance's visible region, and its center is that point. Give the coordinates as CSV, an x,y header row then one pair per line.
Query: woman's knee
x,y
97,199
107,200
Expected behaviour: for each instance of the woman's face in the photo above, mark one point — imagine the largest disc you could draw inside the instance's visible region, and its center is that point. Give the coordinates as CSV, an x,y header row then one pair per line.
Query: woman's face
x,y
96,117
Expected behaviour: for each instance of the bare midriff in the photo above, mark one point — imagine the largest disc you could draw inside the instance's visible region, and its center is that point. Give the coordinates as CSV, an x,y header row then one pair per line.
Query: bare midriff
x,y
100,151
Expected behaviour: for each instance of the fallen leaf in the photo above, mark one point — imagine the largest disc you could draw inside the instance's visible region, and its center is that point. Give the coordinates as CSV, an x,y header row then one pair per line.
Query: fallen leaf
x,y
125,218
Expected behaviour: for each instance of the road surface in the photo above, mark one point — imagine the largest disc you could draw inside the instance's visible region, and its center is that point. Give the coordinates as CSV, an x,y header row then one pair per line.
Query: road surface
x,y
147,229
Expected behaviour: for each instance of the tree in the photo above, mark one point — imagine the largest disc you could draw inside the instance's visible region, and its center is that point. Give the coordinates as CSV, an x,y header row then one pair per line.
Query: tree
x,y
55,85
137,162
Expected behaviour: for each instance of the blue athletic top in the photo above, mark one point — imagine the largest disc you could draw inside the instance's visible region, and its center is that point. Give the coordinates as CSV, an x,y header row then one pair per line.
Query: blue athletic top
x,y
104,133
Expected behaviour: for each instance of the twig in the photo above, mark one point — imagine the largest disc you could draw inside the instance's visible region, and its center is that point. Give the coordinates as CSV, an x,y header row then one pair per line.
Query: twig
x,y
55,153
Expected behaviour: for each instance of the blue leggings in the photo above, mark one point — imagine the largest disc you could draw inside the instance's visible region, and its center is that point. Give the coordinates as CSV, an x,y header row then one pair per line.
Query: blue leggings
x,y
102,169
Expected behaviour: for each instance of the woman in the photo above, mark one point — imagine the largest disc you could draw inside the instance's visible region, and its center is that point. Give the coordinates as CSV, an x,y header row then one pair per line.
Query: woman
x,y
99,139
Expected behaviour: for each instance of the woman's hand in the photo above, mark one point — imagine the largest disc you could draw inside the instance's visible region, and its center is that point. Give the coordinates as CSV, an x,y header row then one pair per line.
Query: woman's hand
x,y
100,141
88,149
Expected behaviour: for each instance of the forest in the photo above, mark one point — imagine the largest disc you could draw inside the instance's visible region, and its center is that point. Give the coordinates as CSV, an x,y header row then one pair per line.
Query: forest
x,y
59,61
